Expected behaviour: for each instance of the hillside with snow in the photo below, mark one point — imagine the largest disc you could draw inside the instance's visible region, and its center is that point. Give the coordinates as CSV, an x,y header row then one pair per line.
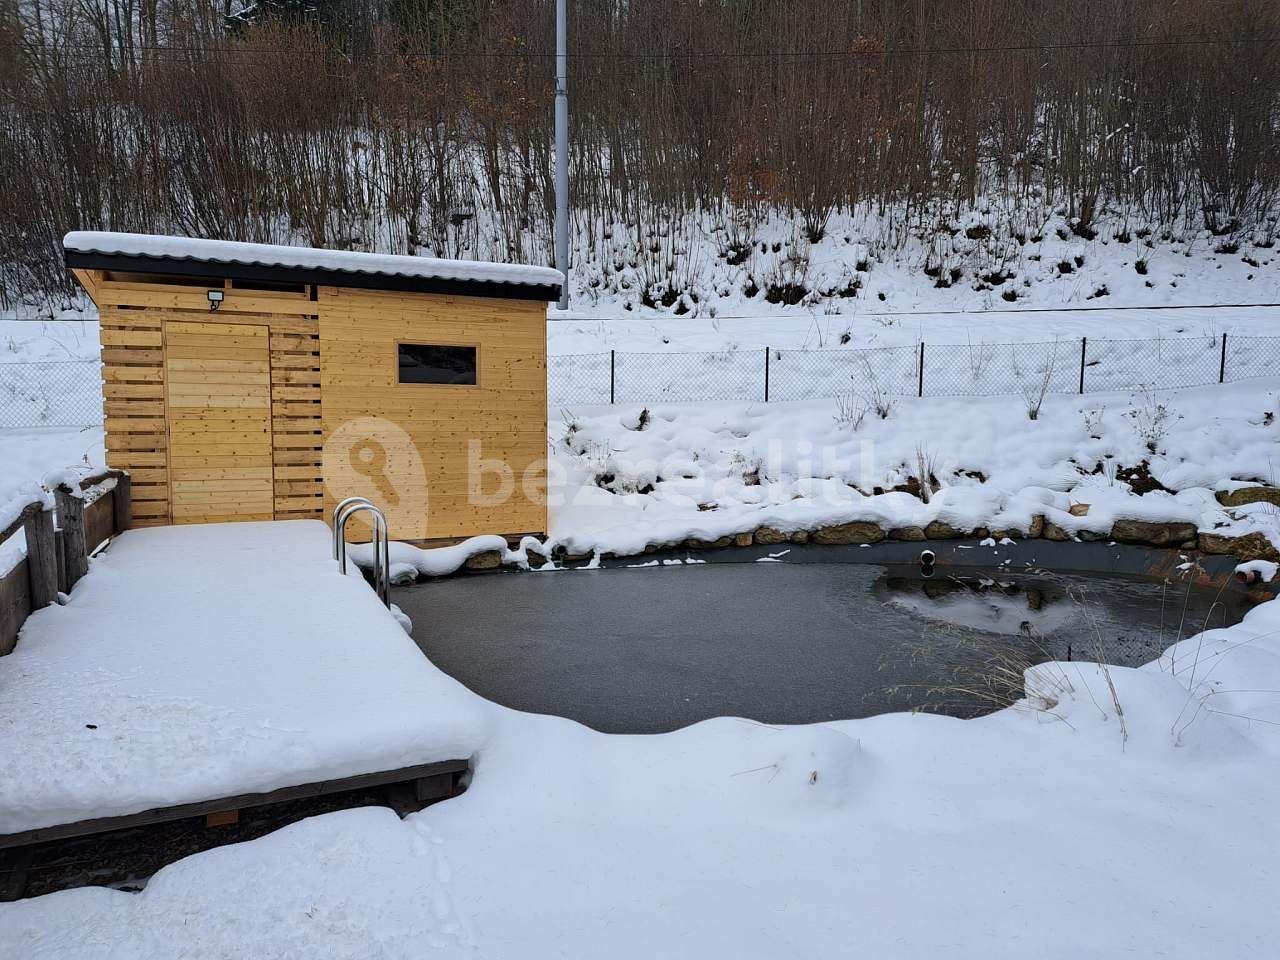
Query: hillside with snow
x,y
987,258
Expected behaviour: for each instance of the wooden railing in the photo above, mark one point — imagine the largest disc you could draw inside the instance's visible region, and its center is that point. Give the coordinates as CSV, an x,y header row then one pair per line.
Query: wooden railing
x,y
58,554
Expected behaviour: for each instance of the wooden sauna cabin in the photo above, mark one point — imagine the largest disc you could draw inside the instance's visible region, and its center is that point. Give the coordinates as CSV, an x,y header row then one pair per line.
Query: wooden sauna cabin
x,y
256,382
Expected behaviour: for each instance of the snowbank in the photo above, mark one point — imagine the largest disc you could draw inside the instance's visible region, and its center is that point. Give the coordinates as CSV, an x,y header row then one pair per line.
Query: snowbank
x,y
621,482
30,455
408,561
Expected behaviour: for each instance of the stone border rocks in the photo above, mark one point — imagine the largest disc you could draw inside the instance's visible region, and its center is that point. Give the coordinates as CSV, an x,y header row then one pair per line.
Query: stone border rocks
x,y
1163,534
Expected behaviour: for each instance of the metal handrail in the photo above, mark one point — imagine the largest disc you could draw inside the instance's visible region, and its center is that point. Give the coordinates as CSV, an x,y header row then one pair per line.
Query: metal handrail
x,y
381,543
339,509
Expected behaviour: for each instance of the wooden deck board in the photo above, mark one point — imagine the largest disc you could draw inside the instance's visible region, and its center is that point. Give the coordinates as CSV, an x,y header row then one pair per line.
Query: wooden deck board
x,y
83,828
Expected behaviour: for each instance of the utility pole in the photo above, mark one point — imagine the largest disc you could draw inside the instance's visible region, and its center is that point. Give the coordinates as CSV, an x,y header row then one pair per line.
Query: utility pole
x,y
562,147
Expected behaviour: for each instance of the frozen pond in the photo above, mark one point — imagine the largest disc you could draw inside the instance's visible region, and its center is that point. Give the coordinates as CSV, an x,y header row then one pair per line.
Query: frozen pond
x,y
653,649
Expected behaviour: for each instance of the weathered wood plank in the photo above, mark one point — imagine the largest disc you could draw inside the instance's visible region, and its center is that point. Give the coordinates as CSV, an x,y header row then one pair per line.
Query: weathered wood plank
x,y
42,559
122,504
75,552
242,801
15,604
99,521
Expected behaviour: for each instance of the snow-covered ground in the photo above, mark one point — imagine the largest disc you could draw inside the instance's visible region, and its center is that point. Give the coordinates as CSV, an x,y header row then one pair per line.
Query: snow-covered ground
x,y
629,476
577,331
1113,812
27,456
979,259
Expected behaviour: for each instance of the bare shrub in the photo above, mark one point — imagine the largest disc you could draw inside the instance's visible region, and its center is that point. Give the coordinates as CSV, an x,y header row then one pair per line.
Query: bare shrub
x,y
851,410
926,470
1034,386
877,394
979,359
1093,421
1151,420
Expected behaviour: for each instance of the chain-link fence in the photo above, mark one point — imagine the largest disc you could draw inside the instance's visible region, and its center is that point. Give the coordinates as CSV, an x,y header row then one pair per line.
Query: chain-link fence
x,y
69,393
53,393
923,369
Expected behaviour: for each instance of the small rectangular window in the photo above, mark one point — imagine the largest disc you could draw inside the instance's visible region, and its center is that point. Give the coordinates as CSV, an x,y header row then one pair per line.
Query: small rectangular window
x,y
436,363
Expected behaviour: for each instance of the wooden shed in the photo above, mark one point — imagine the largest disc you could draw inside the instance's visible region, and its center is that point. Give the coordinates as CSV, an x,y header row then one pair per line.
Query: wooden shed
x,y
256,382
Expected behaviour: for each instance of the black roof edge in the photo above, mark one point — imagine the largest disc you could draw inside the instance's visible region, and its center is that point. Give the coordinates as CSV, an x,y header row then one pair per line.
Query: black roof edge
x,y
546,292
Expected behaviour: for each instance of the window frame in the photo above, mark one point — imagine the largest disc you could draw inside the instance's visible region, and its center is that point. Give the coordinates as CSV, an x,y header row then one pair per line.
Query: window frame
x,y
437,343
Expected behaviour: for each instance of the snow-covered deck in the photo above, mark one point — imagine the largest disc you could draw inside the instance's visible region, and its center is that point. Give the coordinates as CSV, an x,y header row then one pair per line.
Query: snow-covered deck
x,y
201,662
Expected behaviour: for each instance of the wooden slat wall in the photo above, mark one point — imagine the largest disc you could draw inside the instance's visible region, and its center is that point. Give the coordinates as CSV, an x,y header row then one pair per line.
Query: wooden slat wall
x,y
506,411
133,391
297,427
135,312
122,289
340,346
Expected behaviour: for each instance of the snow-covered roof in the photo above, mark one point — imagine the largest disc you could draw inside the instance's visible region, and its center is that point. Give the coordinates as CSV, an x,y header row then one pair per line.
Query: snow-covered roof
x,y
140,251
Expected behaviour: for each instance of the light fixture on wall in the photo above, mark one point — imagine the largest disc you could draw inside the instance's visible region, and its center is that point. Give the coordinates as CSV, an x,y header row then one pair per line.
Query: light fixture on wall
x,y
215,299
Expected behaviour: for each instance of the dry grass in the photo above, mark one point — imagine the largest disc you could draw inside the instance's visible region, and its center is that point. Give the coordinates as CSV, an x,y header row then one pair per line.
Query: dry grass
x,y
994,673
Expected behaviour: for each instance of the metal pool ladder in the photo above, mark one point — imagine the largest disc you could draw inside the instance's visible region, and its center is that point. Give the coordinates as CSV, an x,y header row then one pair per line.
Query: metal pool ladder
x,y
343,512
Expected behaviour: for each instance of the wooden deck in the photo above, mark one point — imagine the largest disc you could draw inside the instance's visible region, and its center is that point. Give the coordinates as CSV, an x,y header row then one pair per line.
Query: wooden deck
x,y
126,849
430,781
261,678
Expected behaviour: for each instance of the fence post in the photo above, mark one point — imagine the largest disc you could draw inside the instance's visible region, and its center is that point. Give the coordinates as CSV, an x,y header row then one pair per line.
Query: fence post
x,y
1084,346
75,555
766,374
1222,364
42,561
612,373
122,503
920,364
